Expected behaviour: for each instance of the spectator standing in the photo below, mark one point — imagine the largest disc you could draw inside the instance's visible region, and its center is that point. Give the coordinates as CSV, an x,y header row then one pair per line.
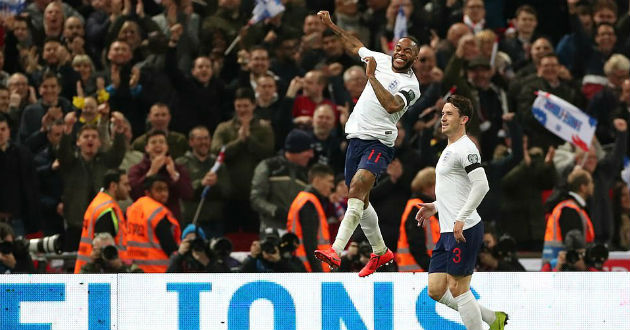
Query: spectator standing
x,y
19,204
159,119
198,95
157,160
277,180
247,141
198,162
83,170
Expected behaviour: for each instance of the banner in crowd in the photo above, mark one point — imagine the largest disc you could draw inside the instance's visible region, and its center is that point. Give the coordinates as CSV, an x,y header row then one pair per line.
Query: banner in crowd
x,y
12,6
335,301
266,9
564,119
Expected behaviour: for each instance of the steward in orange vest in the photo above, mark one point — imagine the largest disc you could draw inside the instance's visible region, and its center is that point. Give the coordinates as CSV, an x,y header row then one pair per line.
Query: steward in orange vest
x,y
570,214
104,215
415,244
307,218
153,232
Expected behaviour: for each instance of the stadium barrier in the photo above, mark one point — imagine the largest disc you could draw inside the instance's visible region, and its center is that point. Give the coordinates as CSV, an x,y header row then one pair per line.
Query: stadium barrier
x,y
384,301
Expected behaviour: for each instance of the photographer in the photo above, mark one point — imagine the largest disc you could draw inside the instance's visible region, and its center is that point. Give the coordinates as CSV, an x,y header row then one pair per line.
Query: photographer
x,y
354,259
14,258
222,249
288,245
194,255
105,258
265,257
498,256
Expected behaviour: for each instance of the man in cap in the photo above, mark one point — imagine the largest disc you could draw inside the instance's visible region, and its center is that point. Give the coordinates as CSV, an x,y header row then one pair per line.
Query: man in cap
x,y
277,180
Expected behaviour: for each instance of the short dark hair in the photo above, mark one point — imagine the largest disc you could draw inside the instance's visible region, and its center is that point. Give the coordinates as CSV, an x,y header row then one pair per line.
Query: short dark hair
x,y
190,133
88,127
605,4
245,93
319,170
258,47
463,105
526,9
576,179
52,39
112,176
4,118
604,24
415,41
48,74
552,54
155,132
150,180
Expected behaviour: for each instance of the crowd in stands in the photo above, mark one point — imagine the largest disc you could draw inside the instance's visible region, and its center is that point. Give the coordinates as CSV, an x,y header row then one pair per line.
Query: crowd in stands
x,y
143,99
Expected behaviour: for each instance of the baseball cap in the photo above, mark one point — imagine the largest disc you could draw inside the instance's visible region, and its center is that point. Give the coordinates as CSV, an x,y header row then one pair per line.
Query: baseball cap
x,y
298,141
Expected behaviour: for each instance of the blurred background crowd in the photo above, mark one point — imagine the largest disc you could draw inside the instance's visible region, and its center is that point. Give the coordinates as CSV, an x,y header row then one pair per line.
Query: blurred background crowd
x,y
142,97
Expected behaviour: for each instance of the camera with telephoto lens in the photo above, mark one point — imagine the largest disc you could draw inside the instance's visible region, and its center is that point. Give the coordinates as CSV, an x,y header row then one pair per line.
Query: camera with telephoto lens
x,y
596,255
199,244
109,253
269,244
289,243
222,247
48,244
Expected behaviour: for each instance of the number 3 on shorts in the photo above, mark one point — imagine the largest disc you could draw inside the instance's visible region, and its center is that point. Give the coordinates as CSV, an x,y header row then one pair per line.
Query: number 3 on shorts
x,y
458,255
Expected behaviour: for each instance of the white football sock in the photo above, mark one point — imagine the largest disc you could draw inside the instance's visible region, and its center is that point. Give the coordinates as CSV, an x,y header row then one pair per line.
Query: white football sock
x,y
487,315
369,224
348,224
469,310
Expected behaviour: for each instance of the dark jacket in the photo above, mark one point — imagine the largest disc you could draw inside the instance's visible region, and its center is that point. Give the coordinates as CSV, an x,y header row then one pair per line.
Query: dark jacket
x,y
275,184
193,103
212,209
31,120
82,179
309,221
186,263
19,191
522,210
241,157
416,237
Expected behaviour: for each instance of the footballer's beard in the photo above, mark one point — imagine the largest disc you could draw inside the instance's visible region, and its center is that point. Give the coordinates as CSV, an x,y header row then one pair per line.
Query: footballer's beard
x,y
403,68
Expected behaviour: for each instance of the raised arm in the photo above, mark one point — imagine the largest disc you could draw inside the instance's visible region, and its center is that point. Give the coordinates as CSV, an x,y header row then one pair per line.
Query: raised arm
x,y
391,103
352,43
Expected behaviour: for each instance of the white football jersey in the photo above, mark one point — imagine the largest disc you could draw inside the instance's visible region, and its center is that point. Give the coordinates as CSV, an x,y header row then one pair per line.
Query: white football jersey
x,y
369,120
452,184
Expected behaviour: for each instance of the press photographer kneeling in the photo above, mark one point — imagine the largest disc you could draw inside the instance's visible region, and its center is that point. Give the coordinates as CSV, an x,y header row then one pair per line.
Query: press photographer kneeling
x,y
498,256
194,254
14,256
105,258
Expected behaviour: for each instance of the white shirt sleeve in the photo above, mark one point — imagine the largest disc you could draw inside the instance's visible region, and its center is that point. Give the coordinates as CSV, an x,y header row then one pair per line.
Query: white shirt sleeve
x,y
479,188
364,52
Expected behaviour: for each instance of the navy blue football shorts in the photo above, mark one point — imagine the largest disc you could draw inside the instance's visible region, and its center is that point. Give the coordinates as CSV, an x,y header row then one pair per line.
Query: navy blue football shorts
x,y
371,155
457,259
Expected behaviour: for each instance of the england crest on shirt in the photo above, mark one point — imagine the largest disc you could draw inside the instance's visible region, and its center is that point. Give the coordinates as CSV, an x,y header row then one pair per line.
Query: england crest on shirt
x,y
392,86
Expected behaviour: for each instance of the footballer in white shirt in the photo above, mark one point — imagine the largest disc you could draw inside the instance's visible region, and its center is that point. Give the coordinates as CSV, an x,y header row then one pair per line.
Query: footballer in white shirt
x,y
371,129
460,186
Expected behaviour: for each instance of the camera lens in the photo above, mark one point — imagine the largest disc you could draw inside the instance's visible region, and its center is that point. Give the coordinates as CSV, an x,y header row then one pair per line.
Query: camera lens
x,y
109,252
199,244
6,247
